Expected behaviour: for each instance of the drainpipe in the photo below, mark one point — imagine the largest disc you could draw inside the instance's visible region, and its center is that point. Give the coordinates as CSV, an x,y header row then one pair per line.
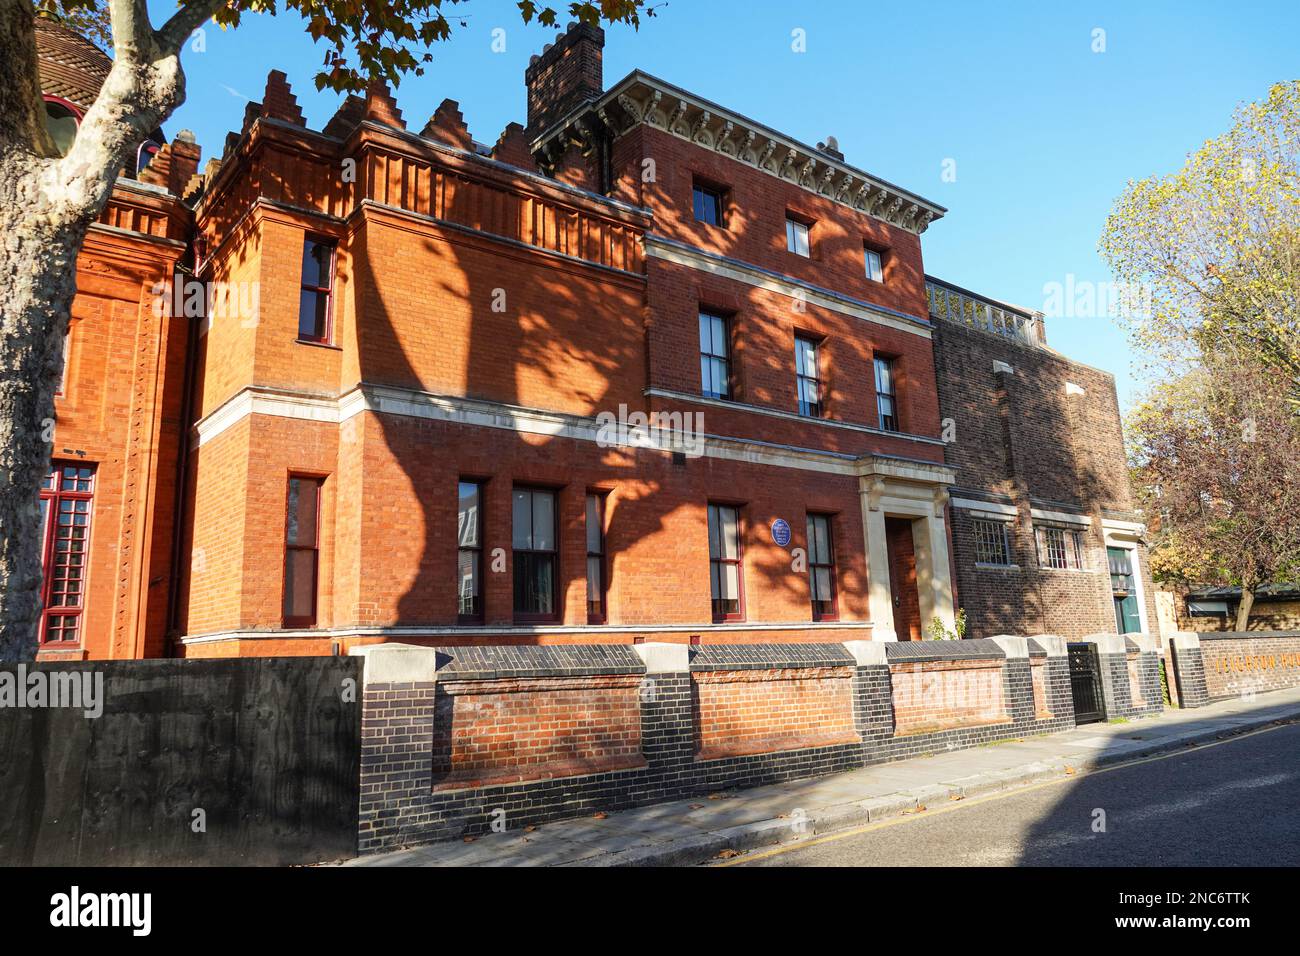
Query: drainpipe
x,y
182,466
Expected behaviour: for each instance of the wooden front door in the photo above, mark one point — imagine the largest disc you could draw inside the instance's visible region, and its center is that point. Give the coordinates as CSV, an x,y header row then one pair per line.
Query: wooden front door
x,y
902,579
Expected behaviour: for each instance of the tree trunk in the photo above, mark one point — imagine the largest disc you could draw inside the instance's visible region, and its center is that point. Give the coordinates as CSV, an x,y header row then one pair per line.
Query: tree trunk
x,y
1243,609
38,258
47,203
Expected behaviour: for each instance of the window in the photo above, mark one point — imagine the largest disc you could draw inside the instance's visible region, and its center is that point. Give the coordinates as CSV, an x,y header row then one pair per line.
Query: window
x,y
596,578
1123,586
469,553
317,287
821,567
66,497
1059,548
533,537
796,237
709,204
886,398
724,563
715,363
807,377
61,121
992,543
875,269
301,551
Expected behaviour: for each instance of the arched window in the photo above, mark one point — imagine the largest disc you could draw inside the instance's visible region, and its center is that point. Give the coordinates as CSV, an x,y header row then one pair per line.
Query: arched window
x,y
61,120
145,154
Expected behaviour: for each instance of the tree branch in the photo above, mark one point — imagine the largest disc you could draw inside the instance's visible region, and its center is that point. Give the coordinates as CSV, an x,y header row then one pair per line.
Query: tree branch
x,y
173,34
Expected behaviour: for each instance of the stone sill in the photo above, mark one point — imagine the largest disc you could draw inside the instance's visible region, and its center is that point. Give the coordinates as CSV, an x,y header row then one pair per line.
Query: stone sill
x,y
940,726
767,745
558,769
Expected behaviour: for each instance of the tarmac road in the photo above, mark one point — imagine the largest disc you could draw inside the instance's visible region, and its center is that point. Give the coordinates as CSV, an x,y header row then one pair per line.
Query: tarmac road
x,y
1230,803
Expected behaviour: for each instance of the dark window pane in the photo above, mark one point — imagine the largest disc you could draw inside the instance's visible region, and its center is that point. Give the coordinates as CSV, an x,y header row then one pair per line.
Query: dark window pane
x,y
469,587
302,512
467,515
534,583
300,584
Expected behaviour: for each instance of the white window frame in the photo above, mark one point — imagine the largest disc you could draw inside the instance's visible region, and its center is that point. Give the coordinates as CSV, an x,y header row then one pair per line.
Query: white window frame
x,y
870,257
796,231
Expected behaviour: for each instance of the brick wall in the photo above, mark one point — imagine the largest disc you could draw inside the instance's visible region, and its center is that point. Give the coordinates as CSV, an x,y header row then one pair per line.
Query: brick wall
x,y
457,740
758,711
1239,664
1022,441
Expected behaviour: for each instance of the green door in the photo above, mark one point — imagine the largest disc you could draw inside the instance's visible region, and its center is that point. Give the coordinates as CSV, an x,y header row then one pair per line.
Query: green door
x,y
1127,619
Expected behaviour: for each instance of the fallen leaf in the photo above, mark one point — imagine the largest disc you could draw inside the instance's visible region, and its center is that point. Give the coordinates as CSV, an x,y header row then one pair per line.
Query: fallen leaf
x,y
715,796
600,816
470,839
697,806
956,796
726,854
1069,770
529,829
920,809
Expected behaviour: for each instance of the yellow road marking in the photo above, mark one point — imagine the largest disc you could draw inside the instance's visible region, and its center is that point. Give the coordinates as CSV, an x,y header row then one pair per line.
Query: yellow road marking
x,y
976,801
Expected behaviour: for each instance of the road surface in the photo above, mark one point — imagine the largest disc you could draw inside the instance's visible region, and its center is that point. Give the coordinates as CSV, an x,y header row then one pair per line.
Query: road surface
x,y
1230,803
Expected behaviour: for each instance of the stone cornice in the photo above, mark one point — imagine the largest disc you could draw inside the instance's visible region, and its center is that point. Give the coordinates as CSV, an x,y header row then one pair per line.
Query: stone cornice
x,y
644,99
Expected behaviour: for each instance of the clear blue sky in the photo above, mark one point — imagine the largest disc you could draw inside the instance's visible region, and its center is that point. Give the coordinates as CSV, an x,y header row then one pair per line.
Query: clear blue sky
x,y
1043,131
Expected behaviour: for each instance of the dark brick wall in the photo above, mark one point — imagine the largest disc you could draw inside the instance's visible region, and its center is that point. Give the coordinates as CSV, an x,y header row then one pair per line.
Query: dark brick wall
x,y
1020,440
400,805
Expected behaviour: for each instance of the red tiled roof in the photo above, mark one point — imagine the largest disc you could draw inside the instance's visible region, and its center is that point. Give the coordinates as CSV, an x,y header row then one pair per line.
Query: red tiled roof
x,y
71,66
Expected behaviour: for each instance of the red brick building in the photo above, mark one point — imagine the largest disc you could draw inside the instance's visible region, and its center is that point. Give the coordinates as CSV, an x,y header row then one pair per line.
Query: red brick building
x,y
644,369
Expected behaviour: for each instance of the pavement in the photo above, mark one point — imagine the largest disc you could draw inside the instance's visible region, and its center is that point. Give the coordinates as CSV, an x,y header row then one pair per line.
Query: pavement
x,y
722,825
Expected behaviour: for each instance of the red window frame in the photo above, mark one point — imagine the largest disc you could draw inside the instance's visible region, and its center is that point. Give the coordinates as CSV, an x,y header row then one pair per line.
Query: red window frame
x,y
54,496
816,561
317,483
717,562
597,610
553,553
327,290
475,551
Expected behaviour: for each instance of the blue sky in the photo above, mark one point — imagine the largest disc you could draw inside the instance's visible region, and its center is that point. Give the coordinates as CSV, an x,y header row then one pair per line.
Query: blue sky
x,y
1043,132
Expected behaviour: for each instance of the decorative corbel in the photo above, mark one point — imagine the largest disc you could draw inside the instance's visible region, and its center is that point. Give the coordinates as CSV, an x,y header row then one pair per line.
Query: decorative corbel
x,y
724,139
940,500
824,187
766,155
675,121
788,165
745,152
892,211
806,172
845,187
700,128
631,107
875,491
923,223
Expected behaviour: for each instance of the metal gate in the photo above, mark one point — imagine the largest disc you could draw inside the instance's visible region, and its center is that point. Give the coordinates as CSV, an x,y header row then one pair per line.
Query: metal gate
x,y
1085,683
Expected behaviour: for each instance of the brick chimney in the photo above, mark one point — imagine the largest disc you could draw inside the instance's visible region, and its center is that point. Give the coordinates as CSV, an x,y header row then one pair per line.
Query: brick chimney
x,y
568,72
